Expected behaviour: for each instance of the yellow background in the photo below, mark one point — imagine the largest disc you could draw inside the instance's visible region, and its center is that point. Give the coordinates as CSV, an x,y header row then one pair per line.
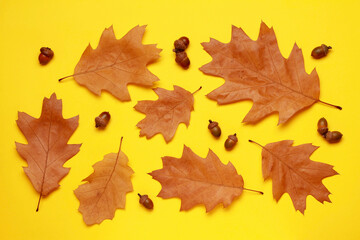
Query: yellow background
x,y
67,27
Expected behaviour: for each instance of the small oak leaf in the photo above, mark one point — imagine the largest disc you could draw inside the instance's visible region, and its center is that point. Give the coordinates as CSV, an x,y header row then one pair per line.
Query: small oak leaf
x,y
106,188
165,114
197,180
115,63
256,70
292,171
47,149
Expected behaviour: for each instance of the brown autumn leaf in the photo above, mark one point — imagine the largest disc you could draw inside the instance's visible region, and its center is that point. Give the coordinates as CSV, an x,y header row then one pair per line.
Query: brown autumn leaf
x,y
256,70
197,180
47,149
292,171
106,188
115,63
165,114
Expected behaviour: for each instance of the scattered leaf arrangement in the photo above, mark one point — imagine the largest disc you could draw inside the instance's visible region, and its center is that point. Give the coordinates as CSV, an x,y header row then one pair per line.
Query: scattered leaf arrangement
x,y
253,70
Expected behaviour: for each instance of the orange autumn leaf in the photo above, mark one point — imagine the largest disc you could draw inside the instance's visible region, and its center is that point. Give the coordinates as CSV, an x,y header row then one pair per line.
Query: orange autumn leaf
x,y
47,149
256,70
165,114
106,188
292,172
197,180
115,63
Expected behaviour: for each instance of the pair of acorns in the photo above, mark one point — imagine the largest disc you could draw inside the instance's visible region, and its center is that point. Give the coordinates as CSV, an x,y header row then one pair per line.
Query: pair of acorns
x,y
216,132
181,57
331,137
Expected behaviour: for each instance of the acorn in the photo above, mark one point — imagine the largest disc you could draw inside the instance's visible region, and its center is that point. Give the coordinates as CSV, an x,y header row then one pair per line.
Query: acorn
x,y
46,54
214,128
182,59
333,137
146,201
102,120
181,44
322,126
231,142
320,52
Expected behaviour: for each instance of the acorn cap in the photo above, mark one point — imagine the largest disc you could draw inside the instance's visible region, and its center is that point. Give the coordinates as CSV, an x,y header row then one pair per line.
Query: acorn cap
x,y
325,48
100,122
143,198
47,52
179,46
212,124
185,40
323,130
233,137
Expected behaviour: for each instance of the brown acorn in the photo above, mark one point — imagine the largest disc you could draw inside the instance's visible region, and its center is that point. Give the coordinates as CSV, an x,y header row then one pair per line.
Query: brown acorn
x,y
102,120
146,201
214,128
46,54
182,59
322,126
181,44
333,137
320,52
231,142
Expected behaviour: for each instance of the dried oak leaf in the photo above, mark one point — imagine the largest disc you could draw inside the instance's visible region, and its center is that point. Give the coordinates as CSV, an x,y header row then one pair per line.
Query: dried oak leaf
x,y
106,188
165,114
292,171
256,70
197,180
47,149
115,63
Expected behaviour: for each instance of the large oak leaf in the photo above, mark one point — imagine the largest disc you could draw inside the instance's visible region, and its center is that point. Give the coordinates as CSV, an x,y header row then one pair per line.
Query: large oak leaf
x,y
256,70
165,114
292,171
115,63
197,180
47,149
106,188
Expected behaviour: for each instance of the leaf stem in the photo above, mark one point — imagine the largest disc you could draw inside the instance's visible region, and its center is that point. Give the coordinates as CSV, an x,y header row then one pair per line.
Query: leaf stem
x,y
253,191
38,205
119,148
197,90
329,104
256,143
60,79
72,75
